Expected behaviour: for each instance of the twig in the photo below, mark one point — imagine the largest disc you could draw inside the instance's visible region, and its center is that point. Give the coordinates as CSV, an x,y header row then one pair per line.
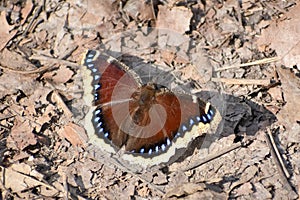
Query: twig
x,y
35,16
42,69
4,127
215,155
153,11
2,183
242,81
54,60
264,88
27,72
65,184
283,173
57,98
286,173
68,53
257,62
239,15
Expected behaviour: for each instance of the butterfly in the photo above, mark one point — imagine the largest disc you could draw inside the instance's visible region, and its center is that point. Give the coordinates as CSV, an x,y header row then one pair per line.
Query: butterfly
x,y
146,120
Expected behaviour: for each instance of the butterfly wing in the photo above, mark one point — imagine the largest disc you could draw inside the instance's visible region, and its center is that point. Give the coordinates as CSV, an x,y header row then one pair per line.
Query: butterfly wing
x,y
130,115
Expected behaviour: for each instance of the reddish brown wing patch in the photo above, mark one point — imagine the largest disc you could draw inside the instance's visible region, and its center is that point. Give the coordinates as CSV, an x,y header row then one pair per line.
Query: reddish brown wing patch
x,y
166,115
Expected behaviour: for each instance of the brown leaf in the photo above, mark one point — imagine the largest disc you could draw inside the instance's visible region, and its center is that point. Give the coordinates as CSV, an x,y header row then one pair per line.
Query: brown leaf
x,y
261,192
14,60
186,189
8,83
62,75
130,189
5,32
139,9
21,135
276,94
74,134
245,189
143,191
93,15
26,169
45,118
20,156
284,37
26,10
175,19
17,182
160,178
290,113
55,97
12,82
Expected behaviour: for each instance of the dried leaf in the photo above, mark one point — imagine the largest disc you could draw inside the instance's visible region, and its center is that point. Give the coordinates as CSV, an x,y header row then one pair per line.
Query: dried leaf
x,y
74,134
21,135
26,10
139,9
93,15
261,192
21,182
175,19
289,115
245,189
26,169
62,75
186,189
284,37
160,179
14,60
5,32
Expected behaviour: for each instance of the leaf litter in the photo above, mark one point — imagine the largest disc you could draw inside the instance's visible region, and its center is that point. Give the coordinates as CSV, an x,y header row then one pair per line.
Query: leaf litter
x,y
43,143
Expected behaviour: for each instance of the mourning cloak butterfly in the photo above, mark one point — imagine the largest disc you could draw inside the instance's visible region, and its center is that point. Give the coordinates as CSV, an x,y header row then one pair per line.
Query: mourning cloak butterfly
x,y
148,121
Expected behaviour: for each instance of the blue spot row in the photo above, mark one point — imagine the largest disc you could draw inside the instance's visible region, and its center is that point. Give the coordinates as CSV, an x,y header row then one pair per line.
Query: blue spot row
x,y
97,115
89,63
99,124
206,118
156,149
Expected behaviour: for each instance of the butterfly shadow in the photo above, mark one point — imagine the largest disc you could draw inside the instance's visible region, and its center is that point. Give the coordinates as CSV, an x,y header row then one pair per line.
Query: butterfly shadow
x,y
240,117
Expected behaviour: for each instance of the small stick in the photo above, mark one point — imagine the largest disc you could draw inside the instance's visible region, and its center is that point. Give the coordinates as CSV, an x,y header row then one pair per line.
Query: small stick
x,y
283,174
2,184
213,156
65,184
153,11
257,62
242,81
4,127
57,98
286,173
44,68
35,71
54,60
35,16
